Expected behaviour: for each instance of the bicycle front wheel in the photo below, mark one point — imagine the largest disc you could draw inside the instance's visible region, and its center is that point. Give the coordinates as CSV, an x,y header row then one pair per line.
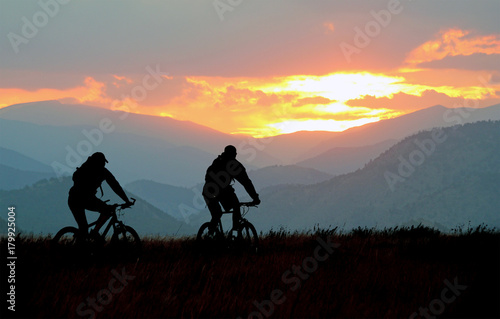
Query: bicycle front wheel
x,y
126,242
249,238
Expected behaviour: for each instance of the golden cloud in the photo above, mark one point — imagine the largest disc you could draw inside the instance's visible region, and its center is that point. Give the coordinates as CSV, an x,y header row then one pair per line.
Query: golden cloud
x,y
453,42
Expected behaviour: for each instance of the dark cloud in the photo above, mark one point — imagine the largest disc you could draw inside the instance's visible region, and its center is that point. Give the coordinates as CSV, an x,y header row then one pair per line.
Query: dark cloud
x,y
407,103
312,101
474,62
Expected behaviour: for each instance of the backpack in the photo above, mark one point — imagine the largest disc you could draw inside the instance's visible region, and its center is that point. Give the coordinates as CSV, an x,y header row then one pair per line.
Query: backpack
x,y
88,178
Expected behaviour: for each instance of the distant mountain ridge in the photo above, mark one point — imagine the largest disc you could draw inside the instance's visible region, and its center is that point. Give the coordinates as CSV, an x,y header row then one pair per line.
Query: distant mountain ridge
x,y
19,161
177,152
445,185
341,160
172,131
13,178
406,125
292,195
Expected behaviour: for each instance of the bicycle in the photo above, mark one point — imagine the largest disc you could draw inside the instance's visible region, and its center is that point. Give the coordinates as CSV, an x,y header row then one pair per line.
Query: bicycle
x,y
124,239
213,238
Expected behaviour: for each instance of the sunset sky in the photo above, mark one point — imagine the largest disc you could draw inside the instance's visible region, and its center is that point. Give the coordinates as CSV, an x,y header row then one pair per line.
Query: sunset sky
x,y
253,66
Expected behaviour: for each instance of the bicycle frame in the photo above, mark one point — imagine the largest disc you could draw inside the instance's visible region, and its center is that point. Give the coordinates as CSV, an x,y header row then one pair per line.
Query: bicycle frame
x,y
242,220
112,221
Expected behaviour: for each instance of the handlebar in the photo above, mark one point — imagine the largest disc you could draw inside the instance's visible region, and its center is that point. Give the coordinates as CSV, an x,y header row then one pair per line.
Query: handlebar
x,y
124,205
248,204
127,205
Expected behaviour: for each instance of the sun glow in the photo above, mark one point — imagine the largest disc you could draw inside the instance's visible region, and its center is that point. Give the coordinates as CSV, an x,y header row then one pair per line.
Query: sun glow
x,y
341,86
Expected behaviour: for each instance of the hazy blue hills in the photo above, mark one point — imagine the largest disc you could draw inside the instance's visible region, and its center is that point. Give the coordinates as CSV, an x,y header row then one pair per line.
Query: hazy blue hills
x,y
341,160
177,153
182,203
19,161
13,178
170,199
450,181
164,160
172,132
42,209
453,182
18,170
131,157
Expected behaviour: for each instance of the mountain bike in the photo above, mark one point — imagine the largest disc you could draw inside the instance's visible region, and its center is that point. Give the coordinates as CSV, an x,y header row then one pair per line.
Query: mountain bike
x,y
124,240
212,237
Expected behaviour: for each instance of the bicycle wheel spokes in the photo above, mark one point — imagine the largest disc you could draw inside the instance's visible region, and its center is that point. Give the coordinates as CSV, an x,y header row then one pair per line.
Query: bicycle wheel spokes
x,y
66,237
209,238
126,242
249,238
68,244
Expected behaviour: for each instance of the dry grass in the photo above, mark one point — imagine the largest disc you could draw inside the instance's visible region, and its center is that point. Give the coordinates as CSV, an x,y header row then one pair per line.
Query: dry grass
x,y
390,273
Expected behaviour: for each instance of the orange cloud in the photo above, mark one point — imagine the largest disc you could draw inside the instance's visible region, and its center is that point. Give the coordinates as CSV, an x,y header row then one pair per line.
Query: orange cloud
x,y
269,106
453,42
328,27
91,91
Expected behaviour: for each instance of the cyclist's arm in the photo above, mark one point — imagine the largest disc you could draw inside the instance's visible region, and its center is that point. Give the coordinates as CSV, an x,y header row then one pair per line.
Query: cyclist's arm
x,y
244,180
115,186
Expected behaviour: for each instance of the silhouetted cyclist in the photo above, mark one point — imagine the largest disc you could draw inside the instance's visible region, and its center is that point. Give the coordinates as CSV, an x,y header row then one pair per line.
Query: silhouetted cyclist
x,y
87,179
218,190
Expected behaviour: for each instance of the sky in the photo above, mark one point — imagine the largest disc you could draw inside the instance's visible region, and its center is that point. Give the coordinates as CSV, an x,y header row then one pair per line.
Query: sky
x,y
257,67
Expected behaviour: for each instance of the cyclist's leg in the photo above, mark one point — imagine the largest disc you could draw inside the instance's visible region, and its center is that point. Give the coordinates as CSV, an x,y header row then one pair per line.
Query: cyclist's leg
x,y
97,205
78,211
215,210
231,201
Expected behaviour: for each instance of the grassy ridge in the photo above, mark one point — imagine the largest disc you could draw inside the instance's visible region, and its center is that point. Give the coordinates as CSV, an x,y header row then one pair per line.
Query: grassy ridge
x,y
390,273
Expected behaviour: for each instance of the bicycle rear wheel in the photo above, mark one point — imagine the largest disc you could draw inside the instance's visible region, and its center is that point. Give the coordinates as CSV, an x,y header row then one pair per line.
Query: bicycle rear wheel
x,y
67,236
68,243
126,242
209,239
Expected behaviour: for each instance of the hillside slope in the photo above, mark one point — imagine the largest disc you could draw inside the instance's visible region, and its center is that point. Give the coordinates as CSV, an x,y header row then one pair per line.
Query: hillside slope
x,y
13,178
454,182
341,160
19,161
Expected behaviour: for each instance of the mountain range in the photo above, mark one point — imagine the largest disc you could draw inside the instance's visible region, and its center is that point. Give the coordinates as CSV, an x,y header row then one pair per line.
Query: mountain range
x,y
163,161
444,177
